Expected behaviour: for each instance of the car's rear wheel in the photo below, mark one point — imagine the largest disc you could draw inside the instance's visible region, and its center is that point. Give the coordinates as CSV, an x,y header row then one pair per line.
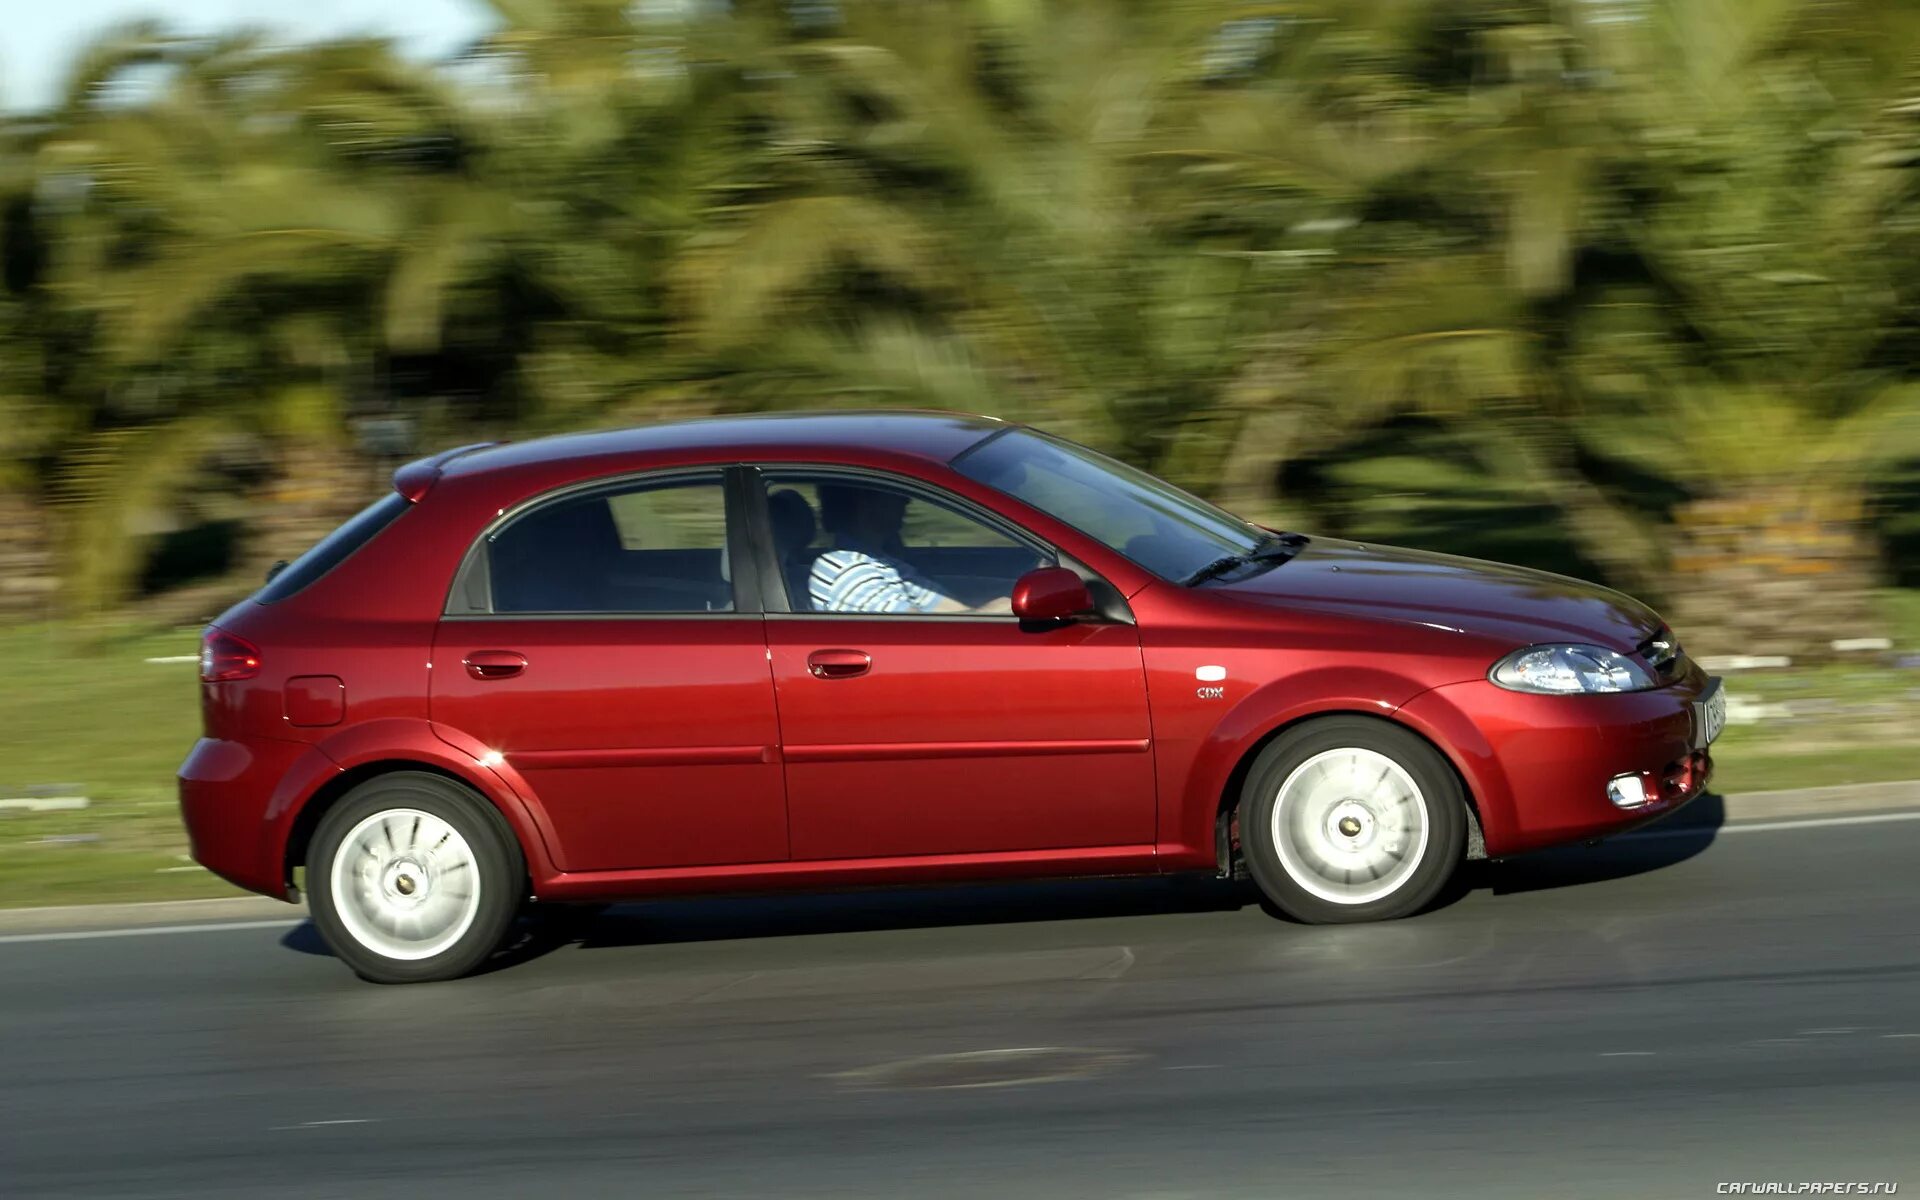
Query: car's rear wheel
x,y
1351,819
412,877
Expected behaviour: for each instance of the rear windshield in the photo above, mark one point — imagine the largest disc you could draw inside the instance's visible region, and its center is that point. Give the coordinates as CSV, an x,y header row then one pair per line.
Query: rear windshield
x,y
332,550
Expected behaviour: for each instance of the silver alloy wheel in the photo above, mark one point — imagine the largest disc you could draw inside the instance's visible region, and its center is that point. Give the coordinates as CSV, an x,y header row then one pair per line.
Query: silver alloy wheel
x,y
1350,825
405,884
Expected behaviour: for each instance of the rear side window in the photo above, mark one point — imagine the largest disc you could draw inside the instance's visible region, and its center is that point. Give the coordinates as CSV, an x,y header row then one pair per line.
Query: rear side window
x,y
332,550
655,547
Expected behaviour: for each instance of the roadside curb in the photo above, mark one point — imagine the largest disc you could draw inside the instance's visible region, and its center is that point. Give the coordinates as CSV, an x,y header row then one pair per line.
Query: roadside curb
x,y
1743,808
1841,798
158,912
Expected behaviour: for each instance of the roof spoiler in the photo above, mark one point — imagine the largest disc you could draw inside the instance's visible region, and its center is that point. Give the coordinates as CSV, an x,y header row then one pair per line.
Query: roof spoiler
x,y
417,478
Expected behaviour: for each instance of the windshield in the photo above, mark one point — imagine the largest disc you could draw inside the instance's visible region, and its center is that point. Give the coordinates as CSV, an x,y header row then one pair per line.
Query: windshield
x,y
1151,522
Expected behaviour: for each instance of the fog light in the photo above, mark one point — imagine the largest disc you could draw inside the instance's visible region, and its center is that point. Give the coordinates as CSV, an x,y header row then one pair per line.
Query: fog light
x,y
1627,791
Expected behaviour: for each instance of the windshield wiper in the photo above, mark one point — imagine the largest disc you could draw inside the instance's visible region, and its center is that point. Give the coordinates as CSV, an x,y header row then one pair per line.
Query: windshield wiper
x,y
1280,546
1276,549
1215,569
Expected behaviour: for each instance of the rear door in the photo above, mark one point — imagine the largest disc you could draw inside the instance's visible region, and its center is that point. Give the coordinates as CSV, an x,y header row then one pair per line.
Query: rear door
x,y
611,664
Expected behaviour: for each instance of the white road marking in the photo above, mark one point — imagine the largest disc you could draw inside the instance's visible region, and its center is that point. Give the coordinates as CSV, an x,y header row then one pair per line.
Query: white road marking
x,y
81,935
1626,1054
1842,1029
1900,1035
1772,826
46,803
318,1124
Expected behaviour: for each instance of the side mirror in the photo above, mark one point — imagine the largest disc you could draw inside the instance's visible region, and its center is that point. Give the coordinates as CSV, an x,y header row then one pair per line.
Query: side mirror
x,y
275,569
1050,594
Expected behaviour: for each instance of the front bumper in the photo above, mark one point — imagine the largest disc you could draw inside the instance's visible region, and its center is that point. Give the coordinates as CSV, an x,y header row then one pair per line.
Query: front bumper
x,y
1538,766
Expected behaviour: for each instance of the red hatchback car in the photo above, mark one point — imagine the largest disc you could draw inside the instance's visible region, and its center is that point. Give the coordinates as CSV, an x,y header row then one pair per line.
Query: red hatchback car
x,y
842,649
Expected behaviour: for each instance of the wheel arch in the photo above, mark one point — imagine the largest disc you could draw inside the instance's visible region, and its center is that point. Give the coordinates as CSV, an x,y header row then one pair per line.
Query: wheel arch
x,y
1225,839
307,818
384,747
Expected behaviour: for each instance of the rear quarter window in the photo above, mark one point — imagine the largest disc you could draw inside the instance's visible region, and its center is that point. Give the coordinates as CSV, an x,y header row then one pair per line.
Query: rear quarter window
x,y
334,549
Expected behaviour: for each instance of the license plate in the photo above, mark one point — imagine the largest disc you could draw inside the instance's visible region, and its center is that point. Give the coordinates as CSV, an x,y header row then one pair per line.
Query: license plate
x,y
1709,715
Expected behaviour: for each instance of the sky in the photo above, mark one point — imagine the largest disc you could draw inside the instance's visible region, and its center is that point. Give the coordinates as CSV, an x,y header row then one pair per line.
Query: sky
x,y
39,38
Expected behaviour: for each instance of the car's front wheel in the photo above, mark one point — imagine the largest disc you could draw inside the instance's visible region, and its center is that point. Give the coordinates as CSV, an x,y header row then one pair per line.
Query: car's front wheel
x,y
411,877
1351,819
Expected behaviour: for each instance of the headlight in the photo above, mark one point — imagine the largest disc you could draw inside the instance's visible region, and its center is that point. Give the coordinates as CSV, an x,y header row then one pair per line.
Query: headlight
x,y
1570,670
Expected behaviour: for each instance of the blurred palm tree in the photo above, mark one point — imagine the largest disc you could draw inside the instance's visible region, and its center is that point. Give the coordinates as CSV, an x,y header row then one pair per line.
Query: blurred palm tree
x,y
1425,180
243,234
1553,226
611,139
29,424
1588,238
1771,551
1783,247
956,205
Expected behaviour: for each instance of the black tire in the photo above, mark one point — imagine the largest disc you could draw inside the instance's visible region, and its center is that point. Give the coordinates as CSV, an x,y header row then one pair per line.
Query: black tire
x,y
1298,883
496,865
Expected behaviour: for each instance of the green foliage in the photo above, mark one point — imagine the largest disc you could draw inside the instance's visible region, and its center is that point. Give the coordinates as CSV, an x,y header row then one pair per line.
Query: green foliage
x,y
1600,244
107,482
56,738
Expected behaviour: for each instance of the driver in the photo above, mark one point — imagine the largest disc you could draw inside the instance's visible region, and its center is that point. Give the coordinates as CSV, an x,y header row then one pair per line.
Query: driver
x,y
866,571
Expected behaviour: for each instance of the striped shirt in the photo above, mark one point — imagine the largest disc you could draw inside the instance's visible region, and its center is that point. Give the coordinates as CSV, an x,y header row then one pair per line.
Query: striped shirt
x,y
850,581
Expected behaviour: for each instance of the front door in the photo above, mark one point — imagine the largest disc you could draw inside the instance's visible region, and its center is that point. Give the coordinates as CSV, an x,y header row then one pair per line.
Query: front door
x,y
612,669
917,716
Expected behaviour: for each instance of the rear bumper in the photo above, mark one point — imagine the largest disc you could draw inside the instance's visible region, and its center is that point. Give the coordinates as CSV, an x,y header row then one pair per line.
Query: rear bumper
x,y
1538,766
226,793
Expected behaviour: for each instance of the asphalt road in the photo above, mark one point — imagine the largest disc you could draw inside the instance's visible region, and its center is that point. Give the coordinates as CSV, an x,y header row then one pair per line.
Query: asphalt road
x,y
1644,1019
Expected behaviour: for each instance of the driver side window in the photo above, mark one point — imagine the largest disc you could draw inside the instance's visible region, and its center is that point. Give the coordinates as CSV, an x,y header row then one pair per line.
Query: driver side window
x,y
853,544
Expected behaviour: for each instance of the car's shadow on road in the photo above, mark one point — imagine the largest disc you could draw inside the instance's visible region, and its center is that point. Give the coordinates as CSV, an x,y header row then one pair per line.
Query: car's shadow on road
x,y
1668,841
716,919
730,918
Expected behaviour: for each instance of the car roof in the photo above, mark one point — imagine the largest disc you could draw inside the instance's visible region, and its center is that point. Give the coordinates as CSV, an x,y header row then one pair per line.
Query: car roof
x,y
937,436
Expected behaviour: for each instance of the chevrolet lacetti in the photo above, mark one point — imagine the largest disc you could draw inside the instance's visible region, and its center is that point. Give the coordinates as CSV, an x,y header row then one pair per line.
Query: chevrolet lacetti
x,y
834,650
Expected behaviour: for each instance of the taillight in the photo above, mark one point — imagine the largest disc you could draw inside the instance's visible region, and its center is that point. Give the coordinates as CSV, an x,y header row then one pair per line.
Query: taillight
x,y
225,658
